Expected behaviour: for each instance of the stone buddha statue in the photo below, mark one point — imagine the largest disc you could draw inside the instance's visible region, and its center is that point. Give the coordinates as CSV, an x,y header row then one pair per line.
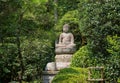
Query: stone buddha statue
x,y
66,41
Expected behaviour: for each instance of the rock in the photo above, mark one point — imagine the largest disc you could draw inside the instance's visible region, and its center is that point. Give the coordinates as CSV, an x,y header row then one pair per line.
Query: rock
x,y
51,66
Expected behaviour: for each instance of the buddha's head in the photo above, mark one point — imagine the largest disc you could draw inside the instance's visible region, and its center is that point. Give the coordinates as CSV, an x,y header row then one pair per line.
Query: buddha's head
x,y
66,28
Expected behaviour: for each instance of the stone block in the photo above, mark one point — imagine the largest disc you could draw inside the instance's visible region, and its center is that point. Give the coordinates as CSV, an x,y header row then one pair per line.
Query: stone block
x,y
65,50
48,76
63,57
51,66
61,65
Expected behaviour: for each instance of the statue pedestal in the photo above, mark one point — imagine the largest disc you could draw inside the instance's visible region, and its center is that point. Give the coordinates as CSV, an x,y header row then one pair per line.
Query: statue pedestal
x,y
62,65
48,76
62,61
65,50
63,57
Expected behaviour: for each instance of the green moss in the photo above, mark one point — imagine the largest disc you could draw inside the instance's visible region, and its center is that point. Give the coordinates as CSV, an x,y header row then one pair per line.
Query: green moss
x,y
71,75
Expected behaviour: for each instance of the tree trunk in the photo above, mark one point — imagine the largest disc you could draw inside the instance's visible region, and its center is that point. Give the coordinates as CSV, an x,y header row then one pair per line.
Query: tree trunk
x,y
20,57
19,49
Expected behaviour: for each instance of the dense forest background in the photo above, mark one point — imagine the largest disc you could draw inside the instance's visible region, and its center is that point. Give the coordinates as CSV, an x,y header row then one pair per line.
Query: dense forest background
x,y
29,30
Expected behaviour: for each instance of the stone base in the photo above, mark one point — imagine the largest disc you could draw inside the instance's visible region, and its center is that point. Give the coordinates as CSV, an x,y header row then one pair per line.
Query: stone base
x,y
61,65
48,76
62,61
65,50
51,66
63,58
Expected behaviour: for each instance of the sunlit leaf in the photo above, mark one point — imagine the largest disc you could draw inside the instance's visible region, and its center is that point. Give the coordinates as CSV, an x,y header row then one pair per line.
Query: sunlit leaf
x,y
39,1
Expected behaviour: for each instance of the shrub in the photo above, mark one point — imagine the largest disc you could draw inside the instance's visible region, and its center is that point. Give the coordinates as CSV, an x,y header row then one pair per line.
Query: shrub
x,y
71,75
113,65
35,56
81,57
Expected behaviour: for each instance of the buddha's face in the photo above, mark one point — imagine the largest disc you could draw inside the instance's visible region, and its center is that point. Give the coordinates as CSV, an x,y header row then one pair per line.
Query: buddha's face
x,y
65,28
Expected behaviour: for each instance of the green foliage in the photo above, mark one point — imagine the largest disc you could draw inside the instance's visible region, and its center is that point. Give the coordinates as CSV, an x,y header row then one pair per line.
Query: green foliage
x,y
36,54
81,57
35,81
31,23
70,17
113,45
118,81
9,63
96,73
97,20
113,65
39,1
71,75
65,6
